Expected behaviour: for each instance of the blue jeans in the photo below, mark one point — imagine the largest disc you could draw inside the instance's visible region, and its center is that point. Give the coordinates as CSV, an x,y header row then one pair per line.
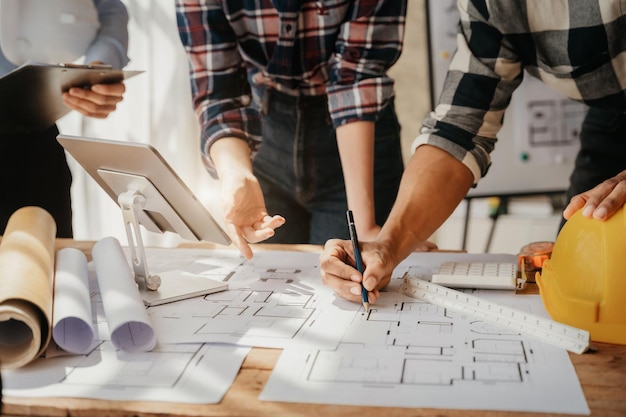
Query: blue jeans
x,y
299,169
602,152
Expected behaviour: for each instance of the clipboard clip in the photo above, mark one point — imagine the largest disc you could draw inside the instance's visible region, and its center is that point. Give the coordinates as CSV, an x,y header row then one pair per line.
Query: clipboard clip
x,y
86,66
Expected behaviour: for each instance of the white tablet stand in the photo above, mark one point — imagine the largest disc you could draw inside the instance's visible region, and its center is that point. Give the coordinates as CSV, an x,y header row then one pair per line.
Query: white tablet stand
x,y
142,203
131,204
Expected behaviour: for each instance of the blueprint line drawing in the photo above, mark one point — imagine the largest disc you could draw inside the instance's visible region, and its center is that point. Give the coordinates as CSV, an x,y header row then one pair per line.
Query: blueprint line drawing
x,y
408,353
488,354
274,300
188,373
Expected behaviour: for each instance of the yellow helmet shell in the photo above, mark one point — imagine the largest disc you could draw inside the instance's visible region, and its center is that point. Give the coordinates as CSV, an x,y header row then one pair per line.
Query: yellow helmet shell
x,y
583,284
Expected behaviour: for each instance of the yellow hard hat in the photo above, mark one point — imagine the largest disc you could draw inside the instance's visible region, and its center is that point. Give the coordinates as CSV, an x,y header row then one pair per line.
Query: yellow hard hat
x,y
583,284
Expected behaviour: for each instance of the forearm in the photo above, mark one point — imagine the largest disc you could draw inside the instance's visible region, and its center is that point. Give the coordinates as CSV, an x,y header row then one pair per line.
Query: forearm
x,y
356,149
231,157
433,185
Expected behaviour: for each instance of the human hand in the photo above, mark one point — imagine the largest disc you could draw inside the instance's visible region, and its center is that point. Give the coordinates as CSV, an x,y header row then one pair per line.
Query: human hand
x,y
339,274
602,201
97,101
246,217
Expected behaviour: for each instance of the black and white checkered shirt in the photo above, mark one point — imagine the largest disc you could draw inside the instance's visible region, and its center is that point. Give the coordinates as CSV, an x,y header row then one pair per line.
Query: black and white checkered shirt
x,y
577,47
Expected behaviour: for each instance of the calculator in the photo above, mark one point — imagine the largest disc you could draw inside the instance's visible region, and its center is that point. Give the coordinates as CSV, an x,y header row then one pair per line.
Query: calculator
x,y
488,275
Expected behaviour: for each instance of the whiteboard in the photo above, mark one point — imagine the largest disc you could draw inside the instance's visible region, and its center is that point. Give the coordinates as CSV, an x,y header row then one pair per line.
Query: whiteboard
x,y
539,140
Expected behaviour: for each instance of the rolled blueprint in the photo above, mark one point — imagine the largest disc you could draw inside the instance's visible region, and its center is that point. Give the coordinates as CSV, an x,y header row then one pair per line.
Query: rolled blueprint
x,y
26,279
72,327
124,309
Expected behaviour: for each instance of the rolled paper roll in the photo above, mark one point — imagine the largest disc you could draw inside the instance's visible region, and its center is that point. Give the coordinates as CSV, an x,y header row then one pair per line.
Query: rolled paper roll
x,y
72,329
26,286
124,309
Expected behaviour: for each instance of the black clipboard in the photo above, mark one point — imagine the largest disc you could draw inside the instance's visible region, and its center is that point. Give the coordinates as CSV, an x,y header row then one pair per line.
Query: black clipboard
x,y
31,95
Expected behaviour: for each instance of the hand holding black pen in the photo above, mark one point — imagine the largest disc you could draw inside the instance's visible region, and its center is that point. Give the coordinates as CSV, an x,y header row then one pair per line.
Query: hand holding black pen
x,y
357,257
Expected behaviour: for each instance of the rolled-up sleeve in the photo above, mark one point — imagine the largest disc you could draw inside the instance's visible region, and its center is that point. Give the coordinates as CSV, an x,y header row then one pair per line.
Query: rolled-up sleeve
x,y
369,43
481,78
220,90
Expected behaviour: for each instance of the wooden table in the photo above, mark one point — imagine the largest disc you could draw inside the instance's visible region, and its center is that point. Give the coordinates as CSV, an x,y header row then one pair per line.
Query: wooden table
x,y
602,375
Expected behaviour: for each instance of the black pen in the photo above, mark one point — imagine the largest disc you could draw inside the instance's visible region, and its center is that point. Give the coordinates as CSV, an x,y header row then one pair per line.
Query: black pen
x,y
357,257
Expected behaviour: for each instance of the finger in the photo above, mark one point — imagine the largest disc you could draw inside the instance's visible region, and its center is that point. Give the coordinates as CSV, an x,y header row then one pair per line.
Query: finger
x,y
373,296
238,240
88,108
602,201
334,261
253,235
272,222
113,90
352,291
345,289
269,223
611,203
373,283
576,203
94,95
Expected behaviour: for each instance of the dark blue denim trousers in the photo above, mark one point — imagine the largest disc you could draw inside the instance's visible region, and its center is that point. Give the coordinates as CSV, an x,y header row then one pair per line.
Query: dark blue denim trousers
x,y
299,169
602,153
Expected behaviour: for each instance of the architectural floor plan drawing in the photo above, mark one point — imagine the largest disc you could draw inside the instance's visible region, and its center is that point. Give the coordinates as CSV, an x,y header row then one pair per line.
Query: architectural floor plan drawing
x,y
409,353
188,373
274,300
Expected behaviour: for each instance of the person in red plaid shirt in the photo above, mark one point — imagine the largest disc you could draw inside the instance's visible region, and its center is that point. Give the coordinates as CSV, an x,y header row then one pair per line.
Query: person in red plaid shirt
x,y
293,99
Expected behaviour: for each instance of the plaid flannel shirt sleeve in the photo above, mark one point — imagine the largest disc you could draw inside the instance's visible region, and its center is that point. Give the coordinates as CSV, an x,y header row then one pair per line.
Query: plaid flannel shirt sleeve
x,y
220,90
481,78
369,43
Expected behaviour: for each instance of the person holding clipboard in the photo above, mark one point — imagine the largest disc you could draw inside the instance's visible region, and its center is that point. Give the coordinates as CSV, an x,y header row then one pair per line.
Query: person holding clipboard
x,y
33,168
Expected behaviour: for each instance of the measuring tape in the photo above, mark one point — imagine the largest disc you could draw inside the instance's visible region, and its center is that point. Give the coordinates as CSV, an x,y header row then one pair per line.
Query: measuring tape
x,y
546,330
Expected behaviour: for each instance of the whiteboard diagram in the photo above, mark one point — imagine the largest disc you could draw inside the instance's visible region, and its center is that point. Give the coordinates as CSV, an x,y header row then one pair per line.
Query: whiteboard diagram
x,y
553,122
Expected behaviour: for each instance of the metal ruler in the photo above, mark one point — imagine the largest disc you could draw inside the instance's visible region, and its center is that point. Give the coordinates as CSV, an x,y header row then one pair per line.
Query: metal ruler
x,y
546,330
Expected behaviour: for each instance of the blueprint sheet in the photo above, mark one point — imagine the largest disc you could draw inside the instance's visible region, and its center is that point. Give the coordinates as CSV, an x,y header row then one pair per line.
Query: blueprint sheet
x,y
407,353
188,373
274,300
